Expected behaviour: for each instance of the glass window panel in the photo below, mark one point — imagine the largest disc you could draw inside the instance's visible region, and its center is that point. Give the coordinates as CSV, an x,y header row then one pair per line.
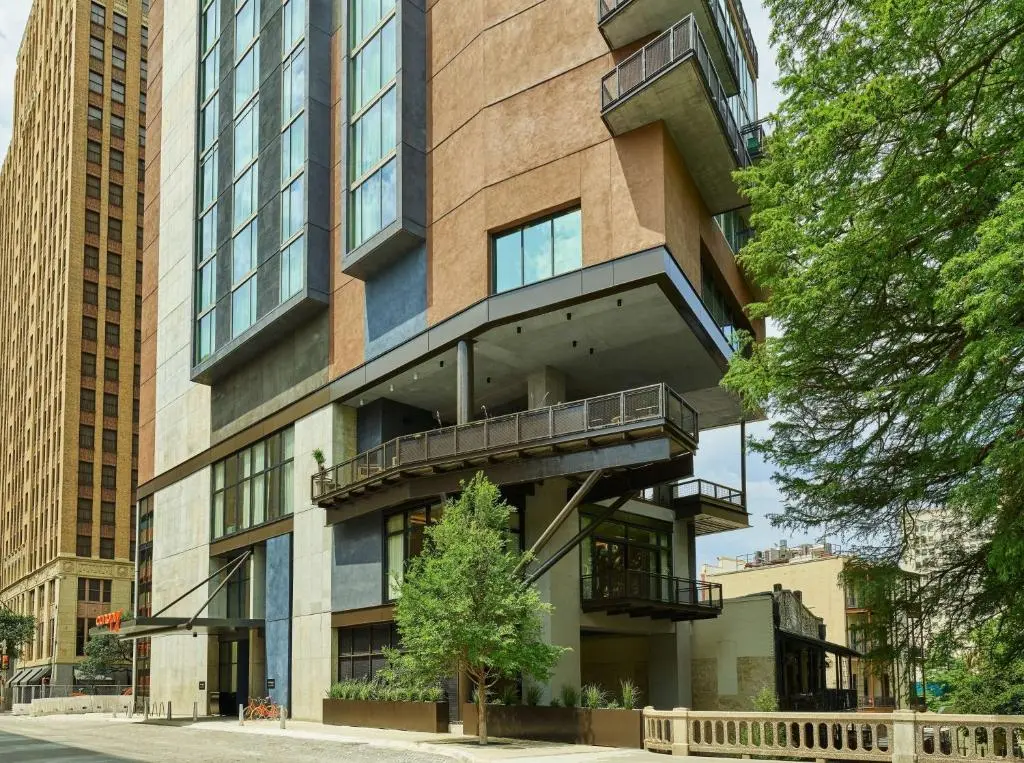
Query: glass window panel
x,y
218,476
292,267
245,195
210,25
247,76
287,498
258,463
396,564
568,242
246,137
293,208
388,122
218,515
231,511
537,252
367,203
208,76
245,26
293,147
273,494
243,253
508,261
293,84
259,514
245,463
243,307
273,450
388,194
288,443
294,21
208,284
207,332
208,180
245,504
396,523
388,53
208,234
208,123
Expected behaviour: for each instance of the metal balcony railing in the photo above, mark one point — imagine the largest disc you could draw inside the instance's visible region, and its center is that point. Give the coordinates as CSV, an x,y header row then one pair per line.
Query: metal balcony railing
x,y
610,586
681,42
524,429
722,25
705,488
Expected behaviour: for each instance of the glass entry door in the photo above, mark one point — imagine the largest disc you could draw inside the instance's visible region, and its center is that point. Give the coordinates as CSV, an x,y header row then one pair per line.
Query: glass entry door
x,y
233,674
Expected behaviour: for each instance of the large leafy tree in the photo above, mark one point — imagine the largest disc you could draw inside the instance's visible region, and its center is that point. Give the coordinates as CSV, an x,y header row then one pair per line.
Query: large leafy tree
x,y
105,653
890,248
986,678
15,632
463,605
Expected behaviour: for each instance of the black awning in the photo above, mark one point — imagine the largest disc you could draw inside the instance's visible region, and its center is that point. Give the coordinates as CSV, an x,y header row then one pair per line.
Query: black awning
x,y
145,627
18,675
837,649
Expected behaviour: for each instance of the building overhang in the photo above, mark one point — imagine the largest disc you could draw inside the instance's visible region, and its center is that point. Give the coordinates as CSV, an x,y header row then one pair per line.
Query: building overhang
x,y
147,627
826,646
713,508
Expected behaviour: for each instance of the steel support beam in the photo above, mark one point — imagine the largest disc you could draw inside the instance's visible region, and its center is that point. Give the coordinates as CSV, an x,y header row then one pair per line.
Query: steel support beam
x,y
207,579
743,460
464,382
552,528
237,566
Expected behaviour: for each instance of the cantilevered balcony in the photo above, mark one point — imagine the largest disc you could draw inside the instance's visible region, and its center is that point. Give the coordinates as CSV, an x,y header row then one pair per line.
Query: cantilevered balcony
x,y
626,21
644,594
674,79
620,431
714,508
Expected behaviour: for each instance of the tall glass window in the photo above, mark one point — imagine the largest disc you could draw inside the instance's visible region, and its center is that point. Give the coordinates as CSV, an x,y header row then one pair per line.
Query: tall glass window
x,y
293,148
246,18
208,181
373,109
537,251
293,153
294,22
246,137
244,198
254,485
243,306
293,208
247,74
293,263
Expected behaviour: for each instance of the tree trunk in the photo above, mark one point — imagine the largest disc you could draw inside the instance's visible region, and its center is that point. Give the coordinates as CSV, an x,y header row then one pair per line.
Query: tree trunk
x,y
481,711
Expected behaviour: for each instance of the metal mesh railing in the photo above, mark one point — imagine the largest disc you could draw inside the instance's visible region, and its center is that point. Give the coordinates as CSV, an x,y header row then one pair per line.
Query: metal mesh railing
x,y
699,487
582,416
613,585
682,41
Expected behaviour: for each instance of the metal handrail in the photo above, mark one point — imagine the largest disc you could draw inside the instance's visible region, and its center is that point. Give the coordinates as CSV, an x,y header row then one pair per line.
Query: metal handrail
x,y
606,8
708,489
593,414
681,42
614,584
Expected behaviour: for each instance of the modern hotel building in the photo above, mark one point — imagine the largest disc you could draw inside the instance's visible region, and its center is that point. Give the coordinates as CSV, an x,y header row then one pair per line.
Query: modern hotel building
x,y
427,238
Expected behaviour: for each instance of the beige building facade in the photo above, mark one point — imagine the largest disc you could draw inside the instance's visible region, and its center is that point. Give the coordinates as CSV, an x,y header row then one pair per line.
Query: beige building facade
x,y
71,196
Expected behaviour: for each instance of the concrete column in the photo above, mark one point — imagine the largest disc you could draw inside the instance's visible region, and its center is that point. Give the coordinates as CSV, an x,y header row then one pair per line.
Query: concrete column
x,y
545,387
684,562
680,731
560,587
258,583
464,382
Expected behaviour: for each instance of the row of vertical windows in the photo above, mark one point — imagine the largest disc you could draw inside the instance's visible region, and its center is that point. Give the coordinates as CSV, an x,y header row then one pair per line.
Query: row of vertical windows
x,y
209,128
254,486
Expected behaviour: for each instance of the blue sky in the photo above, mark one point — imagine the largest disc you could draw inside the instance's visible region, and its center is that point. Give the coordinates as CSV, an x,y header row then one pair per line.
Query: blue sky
x,y
718,458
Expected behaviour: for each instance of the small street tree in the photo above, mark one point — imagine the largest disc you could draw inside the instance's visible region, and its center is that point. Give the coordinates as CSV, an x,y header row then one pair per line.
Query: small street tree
x,y
105,653
15,632
463,605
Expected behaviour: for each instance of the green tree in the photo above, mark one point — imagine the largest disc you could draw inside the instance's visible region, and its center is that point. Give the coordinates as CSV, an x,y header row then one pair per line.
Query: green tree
x,y
463,606
15,632
890,253
105,653
987,677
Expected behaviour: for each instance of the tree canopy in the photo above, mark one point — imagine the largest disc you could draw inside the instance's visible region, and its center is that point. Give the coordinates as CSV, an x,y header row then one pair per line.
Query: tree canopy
x,y
105,653
15,632
987,678
890,249
463,605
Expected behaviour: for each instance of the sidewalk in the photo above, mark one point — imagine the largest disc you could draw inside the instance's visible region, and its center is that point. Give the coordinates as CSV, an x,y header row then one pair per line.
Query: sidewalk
x,y
449,745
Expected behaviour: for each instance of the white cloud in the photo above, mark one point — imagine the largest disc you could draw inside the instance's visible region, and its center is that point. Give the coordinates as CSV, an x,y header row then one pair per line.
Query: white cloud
x,y
13,15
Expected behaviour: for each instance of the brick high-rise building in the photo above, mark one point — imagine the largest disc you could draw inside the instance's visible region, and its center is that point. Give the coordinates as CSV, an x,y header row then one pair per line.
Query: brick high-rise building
x,y
421,239
71,198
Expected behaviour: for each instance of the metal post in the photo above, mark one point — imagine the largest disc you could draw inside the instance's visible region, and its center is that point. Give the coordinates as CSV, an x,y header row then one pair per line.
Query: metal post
x,y
241,717
195,711
169,714
743,460
464,382
283,712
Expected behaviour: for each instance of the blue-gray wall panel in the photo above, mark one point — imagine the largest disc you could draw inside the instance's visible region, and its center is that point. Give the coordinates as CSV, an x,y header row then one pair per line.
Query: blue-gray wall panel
x,y
356,574
279,617
396,302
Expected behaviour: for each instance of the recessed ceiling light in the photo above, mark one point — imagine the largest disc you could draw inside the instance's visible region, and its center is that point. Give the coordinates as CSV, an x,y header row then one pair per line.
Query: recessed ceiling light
x,y
573,342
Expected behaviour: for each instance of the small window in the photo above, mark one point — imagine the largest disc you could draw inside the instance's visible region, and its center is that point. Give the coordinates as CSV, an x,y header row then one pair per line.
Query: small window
x,y
83,547
138,273
86,437
109,404
84,511
117,91
538,251
87,400
116,126
113,265
109,441
116,160
108,514
98,15
96,83
96,117
92,186
113,335
113,229
142,102
109,476
116,195
142,137
113,299
90,293
118,57
85,473
89,365
120,25
106,548
96,48
94,152
92,257
88,328
110,369
92,222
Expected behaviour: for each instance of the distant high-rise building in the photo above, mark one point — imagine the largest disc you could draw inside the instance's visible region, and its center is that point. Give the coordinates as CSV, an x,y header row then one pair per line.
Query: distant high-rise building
x,y
71,199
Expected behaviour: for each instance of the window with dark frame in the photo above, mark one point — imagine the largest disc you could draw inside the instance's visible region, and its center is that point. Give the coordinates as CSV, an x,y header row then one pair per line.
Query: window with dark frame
x,y
536,251
117,91
110,441
111,367
86,436
361,649
84,514
254,486
108,514
88,364
96,48
106,548
113,335
109,404
96,83
90,293
116,126
92,222
92,187
88,328
120,25
87,400
98,14
108,476
83,545
118,57
113,229
113,265
85,473
96,117
116,160
84,625
92,257
113,299
94,152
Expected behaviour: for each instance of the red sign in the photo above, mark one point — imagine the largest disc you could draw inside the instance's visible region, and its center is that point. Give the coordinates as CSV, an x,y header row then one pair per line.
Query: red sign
x,y
112,620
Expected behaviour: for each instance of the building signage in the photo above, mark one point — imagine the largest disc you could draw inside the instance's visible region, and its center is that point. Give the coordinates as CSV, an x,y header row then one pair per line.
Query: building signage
x,y
112,620
270,683
202,686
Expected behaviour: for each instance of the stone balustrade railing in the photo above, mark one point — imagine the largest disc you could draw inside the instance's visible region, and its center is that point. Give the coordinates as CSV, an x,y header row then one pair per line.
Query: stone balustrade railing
x,y
900,737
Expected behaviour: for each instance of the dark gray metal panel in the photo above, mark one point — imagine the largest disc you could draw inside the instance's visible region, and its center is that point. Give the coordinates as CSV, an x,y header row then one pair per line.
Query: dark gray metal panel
x,y
318,196
413,75
598,277
318,261
318,44
357,572
320,14
412,189
396,302
268,285
383,420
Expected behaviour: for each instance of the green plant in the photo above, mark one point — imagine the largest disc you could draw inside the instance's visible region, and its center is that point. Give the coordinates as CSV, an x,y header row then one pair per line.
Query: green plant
x,y
594,696
533,695
509,694
463,606
320,458
570,696
766,701
630,694
16,631
556,702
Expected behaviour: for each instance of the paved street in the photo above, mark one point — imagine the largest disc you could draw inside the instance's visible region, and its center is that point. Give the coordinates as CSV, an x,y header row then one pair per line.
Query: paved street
x,y
63,739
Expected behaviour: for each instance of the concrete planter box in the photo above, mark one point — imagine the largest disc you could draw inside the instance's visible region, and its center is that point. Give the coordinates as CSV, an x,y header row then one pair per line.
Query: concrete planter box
x,y
404,716
573,725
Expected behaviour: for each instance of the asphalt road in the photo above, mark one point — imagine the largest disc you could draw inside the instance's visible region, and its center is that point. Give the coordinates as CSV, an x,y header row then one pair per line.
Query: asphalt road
x,y
80,740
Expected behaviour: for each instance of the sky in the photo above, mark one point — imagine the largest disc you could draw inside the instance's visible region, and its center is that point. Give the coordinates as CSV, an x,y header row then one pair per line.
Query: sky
x,y
718,458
